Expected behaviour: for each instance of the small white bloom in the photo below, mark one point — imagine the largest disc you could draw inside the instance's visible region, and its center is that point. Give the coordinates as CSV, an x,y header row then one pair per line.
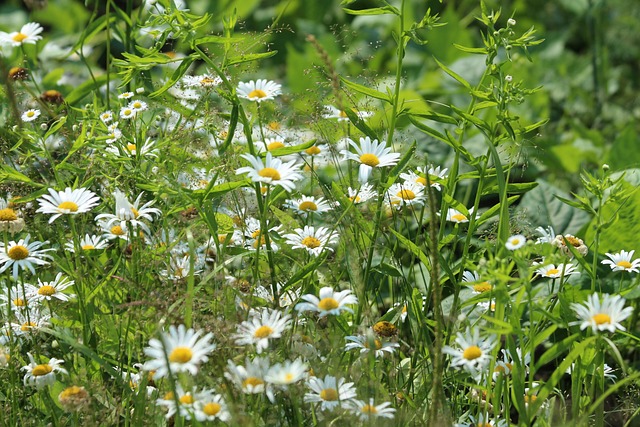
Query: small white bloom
x,y
263,326
40,375
67,202
604,315
515,242
30,115
258,91
330,392
329,302
621,261
370,154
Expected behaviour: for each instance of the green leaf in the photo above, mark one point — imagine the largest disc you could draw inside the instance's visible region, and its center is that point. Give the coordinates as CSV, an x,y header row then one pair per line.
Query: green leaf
x,y
453,74
365,90
413,248
9,174
475,50
249,57
220,39
399,167
385,10
87,87
286,151
177,75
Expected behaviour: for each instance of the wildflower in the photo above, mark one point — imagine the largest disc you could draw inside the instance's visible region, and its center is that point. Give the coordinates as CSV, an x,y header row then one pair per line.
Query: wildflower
x,y
74,398
23,255
258,238
312,239
138,106
475,283
577,243
67,202
259,90
458,217
30,321
250,378
406,194
18,73
553,272
127,113
10,219
204,81
126,95
52,96
329,302
263,326
182,348
283,374
306,205
330,392
286,298
53,289
184,398
366,343
106,117
334,113
371,155
272,171
387,329
604,315
28,34
515,242
621,261
19,297
361,195
40,375
368,410
435,176
508,364
88,243
210,406
30,115
473,353
116,231
127,213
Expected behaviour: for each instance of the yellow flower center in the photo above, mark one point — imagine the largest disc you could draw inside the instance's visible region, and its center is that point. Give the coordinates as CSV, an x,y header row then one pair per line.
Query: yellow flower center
x,y
552,272
137,104
601,319
274,126
624,264
369,409
329,394
31,114
131,147
311,242
211,409
270,173
482,287
377,344
370,160
458,217
27,326
343,115
252,381
530,399
41,370
168,396
310,206
471,353
288,377
69,392
207,81
187,399
405,194
327,304
46,290
263,331
19,302
257,93
355,199
313,151
135,212
68,206
128,112
274,145
421,180
18,252
515,242
116,230
180,355
19,37
575,242
8,214
88,247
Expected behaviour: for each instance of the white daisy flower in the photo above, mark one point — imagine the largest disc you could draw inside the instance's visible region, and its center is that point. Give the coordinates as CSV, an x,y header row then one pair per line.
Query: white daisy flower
x,y
30,321
127,113
106,117
40,375
478,286
126,95
406,194
329,302
547,235
306,205
515,242
182,348
604,315
262,327
370,410
28,34
259,90
23,255
472,353
256,237
272,171
362,194
210,406
576,242
366,343
127,213
330,392
621,261
312,239
286,298
88,243
203,81
251,377
30,115
185,402
138,106
18,298
180,267
370,155
67,202
53,289
453,215
553,272
436,175
115,231
283,374
332,112
270,144
317,150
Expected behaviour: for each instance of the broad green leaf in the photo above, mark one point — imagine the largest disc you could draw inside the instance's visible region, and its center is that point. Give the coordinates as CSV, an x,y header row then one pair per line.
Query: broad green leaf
x,y
8,174
413,248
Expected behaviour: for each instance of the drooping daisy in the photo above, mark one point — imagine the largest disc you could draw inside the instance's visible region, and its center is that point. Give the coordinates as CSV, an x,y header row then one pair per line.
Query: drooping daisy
x,y
30,321
40,375
311,239
263,326
88,243
454,215
604,315
127,213
370,154
250,378
67,202
621,261
18,298
406,194
329,302
259,90
515,242
53,289
23,255
283,374
547,235
28,34
553,272
30,115
306,205
472,353
183,348
366,343
369,410
330,392
435,174
362,194
272,171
